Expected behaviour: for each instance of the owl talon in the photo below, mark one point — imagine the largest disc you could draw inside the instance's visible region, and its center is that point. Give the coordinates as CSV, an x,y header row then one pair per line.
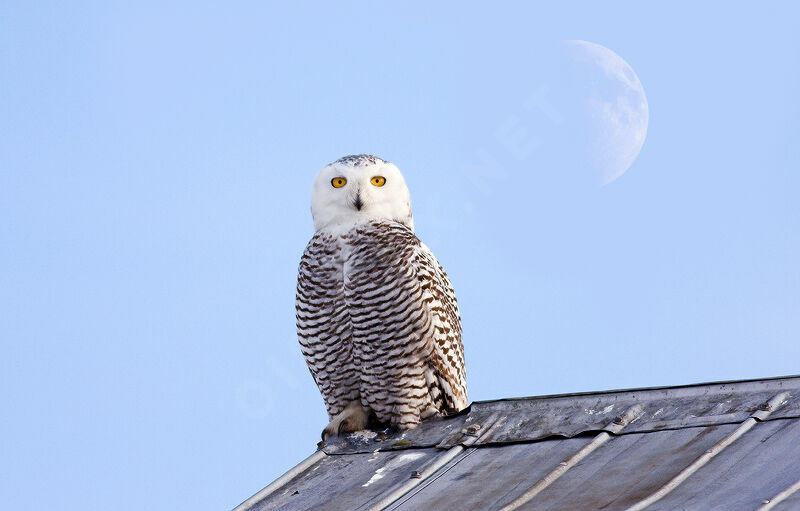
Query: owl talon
x,y
352,418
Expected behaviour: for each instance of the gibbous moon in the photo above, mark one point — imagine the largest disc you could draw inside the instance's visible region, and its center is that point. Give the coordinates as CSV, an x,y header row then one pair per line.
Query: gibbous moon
x,y
617,109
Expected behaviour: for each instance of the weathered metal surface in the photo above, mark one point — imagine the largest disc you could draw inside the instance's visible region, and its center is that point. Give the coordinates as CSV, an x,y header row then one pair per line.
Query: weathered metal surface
x,y
530,419
279,483
761,414
598,441
534,419
628,468
623,471
491,477
757,467
792,503
499,450
475,432
348,483
427,434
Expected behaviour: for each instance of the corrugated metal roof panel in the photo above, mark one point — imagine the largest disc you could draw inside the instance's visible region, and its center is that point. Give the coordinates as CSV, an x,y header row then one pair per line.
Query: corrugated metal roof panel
x,y
491,477
790,502
348,483
756,468
628,469
733,445
528,419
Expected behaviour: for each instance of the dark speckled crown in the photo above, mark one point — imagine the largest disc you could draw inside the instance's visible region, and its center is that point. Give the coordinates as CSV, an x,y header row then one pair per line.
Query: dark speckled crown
x,y
359,160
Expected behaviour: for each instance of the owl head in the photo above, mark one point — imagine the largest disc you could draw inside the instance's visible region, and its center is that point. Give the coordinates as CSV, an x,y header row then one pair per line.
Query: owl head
x,y
358,189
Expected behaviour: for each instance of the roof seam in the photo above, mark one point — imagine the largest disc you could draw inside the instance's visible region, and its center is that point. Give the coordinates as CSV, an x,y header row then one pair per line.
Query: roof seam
x,y
777,499
770,406
555,437
642,389
437,464
468,451
281,481
603,437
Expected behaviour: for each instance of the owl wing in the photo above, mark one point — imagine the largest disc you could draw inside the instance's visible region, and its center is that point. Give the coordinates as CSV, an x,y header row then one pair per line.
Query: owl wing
x,y
449,354
323,323
406,327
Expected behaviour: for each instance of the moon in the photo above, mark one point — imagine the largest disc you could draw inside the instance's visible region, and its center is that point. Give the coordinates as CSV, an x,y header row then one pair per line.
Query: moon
x,y
616,106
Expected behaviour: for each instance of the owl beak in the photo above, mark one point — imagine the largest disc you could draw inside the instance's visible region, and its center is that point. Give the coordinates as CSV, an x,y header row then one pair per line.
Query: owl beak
x,y
357,203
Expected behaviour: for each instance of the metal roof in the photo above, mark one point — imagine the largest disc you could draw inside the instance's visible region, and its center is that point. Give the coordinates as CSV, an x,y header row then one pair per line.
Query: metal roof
x,y
726,446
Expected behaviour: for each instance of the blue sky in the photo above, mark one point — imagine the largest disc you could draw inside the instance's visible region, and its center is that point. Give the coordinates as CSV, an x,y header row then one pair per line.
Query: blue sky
x,y
155,172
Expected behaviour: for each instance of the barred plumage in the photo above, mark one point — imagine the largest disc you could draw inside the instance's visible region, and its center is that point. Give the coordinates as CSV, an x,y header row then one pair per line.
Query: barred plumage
x,y
377,318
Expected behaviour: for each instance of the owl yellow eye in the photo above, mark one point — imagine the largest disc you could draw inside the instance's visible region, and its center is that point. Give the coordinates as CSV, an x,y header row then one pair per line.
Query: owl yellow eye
x,y
378,180
338,182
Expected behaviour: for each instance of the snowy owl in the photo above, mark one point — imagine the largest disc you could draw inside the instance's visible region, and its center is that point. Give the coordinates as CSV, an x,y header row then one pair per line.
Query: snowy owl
x,y
377,317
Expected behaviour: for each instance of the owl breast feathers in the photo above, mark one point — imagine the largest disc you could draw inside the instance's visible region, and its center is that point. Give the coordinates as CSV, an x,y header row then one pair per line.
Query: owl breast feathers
x,y
377,317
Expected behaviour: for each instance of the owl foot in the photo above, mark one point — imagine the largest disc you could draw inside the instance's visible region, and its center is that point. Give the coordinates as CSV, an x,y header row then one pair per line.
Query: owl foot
x,y
352,418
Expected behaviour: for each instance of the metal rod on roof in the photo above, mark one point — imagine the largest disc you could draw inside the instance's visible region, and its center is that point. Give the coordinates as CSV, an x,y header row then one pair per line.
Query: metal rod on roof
x,y
771,405
617,426
277,483
777,499
434,467
425,474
